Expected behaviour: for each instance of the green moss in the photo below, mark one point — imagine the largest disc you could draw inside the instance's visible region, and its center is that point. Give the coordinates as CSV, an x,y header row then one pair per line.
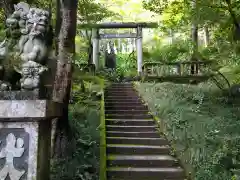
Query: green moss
x,y
103,156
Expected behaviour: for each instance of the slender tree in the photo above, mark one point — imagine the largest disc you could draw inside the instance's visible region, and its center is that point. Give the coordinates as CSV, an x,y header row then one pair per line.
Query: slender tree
x,y
67,12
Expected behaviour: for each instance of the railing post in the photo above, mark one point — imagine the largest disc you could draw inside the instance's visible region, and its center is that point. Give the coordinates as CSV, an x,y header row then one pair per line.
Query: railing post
x,y
139,50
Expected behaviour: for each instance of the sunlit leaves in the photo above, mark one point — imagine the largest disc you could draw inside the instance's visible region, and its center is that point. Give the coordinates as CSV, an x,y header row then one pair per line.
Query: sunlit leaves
x,y
89,11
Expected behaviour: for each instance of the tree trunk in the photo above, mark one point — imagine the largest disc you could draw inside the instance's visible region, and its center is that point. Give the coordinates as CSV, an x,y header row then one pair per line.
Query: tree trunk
x,y
58,25
62,85
233,15
236,34
194,34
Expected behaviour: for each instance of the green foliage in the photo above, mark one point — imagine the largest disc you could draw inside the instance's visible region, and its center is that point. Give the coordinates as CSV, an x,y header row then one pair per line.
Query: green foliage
x,y
203,125
126,64
82,160
126,67
92,12
110,75
178,51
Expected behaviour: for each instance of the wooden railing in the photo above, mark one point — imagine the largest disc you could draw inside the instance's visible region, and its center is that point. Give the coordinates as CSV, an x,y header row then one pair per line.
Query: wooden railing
x,y
181,72
188,68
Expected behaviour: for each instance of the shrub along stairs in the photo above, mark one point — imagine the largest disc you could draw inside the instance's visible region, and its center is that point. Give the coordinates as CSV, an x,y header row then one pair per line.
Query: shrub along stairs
x,y
135,149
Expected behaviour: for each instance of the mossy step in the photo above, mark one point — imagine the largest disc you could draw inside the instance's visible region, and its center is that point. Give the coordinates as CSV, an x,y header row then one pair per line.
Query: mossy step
x,y
137,178
146,173
137,141
121,84
120,88
129,111
128,116
122,96
113,111
130,122
121,103
124,107
141,161
150,134
130,128
124,100
120,91
128,149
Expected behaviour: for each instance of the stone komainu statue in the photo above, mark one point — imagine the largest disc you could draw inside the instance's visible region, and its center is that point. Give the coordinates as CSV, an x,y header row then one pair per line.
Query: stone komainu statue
x,y
27,42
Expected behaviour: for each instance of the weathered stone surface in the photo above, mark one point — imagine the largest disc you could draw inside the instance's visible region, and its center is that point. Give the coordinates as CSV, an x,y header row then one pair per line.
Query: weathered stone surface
x,y
18,150
19,95
27,42
28,109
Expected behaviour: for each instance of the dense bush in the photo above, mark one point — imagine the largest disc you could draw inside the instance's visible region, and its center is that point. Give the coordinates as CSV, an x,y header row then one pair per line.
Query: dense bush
x,y
178,51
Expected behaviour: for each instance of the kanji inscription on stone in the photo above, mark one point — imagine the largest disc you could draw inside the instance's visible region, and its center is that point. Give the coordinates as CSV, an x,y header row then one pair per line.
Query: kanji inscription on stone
x,y
13,154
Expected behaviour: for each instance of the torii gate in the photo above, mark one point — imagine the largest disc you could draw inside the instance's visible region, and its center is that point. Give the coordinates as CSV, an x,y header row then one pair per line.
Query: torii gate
x,y
96,36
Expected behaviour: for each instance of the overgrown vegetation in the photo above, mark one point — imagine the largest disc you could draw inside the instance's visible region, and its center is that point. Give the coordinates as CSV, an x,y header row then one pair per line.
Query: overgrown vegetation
x,y
82,159
203,125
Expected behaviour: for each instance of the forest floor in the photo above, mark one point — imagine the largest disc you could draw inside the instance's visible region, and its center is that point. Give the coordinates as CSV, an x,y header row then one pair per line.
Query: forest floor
x,y
203,123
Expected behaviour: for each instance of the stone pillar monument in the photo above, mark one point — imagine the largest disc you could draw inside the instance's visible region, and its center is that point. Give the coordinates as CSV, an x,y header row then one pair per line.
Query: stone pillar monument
x,y
26,109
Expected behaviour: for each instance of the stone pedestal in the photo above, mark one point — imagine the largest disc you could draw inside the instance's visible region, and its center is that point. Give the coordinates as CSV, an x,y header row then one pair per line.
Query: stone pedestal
x,y
25,139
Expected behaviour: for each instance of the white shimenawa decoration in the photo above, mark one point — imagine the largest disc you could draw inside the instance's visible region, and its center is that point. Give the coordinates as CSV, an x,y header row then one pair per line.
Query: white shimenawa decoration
x,y
14,149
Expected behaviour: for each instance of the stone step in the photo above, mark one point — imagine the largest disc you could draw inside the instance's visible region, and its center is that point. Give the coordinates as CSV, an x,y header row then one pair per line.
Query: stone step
x,y
117,94
120,96
130,122
135,150
126,86
145,173
137,178
127,149
137,141
133,104
150,134
122,107
121,85
130,128
128,116
120,89
127,112
124,100
141,161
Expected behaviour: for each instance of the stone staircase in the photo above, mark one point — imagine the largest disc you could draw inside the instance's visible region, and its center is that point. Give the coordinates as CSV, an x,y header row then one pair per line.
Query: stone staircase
x,y
135,149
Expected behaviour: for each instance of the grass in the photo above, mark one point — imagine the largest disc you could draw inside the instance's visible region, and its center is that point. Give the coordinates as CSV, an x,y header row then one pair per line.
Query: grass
x,y
203,125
